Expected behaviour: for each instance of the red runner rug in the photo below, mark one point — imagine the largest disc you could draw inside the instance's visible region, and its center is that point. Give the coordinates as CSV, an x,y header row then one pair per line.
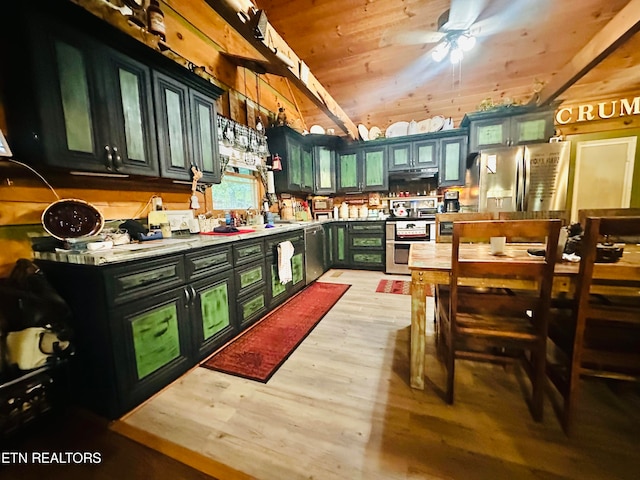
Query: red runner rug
x,y
401,287
259,351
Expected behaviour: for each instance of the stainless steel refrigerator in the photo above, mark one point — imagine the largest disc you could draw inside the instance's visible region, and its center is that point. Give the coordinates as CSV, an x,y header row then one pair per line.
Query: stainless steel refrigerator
x,y
524,178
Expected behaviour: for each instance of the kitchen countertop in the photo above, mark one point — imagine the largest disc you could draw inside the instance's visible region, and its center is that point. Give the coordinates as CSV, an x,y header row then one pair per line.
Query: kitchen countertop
x,y
167,246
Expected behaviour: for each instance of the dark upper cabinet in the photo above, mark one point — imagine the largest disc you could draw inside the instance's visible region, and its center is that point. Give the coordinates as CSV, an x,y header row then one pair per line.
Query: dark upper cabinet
x,y
297,174
174,126
508,126
187,132
92,107
325,170
85,99
205,135
362,169
452,161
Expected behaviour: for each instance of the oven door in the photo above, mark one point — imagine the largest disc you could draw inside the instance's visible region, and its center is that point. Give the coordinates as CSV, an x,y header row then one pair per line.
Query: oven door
x,y
397,248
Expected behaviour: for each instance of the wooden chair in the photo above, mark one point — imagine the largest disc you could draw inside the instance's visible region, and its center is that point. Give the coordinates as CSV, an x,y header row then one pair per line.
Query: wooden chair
x,y
498,324
564,215
600,335
444,223
606,212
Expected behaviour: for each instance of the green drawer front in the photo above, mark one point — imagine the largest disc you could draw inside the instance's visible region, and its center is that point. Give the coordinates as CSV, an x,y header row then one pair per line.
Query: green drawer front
x,y
272,244
367,258
156,341
277,288
215,310
250,277
366,227
366,242
245,253
252,307
130,283
203,264
297,268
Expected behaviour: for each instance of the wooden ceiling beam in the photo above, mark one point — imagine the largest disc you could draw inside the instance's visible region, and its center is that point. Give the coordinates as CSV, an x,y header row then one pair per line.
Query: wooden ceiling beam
x,y
619,29
284,61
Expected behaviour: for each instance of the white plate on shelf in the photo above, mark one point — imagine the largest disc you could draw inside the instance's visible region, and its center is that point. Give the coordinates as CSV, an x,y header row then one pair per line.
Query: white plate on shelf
x,y
437,123
374,133
398,129
316,129
364,132
413,128
424,125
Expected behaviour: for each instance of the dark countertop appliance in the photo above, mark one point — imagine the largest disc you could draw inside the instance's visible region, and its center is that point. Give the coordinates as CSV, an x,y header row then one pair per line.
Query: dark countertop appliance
x,y
451,201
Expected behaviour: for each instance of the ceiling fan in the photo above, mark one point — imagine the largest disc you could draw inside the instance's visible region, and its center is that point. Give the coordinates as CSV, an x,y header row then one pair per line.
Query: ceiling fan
x,y
455,31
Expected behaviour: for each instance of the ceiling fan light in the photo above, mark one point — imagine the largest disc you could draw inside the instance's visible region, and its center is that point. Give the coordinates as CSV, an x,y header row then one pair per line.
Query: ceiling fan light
x,y
466,42
456,55
440,52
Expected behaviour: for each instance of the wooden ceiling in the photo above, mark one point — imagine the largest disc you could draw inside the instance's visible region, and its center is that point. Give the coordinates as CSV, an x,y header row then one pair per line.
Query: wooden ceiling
x,y
367,55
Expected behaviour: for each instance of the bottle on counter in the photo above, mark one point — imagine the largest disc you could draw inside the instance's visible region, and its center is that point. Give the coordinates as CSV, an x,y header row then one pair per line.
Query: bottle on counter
x,y
344,211
335,212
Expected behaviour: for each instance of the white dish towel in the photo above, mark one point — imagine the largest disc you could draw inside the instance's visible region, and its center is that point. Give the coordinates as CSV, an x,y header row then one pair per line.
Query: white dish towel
x,y
285,252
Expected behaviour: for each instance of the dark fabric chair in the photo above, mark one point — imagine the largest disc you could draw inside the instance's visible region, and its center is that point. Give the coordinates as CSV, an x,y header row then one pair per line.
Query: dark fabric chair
x,y
599,334
498,324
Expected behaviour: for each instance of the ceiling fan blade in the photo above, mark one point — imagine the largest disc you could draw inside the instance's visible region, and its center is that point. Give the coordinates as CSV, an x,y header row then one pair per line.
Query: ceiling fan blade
x,y
463,13
411,37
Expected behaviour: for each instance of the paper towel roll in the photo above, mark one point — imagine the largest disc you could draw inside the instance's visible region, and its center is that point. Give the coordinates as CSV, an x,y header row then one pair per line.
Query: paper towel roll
x,y
271,188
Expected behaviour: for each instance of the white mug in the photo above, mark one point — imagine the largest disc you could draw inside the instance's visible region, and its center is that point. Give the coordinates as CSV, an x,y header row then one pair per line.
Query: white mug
x,y
497,245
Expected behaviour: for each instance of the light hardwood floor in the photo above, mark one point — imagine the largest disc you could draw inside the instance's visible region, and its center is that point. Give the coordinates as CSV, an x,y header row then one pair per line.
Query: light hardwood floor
x,y
341,408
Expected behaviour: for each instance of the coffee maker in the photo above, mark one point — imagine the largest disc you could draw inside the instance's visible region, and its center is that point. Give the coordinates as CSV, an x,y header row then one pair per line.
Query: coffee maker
x,y
451,201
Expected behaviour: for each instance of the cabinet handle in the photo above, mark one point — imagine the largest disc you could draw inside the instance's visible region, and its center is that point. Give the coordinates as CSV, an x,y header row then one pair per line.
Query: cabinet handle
x,y
109,158
118,160
194,294
187,297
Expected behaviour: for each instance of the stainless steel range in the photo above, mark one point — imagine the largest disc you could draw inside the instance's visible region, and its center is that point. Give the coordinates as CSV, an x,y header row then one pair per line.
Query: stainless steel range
x,y
401,234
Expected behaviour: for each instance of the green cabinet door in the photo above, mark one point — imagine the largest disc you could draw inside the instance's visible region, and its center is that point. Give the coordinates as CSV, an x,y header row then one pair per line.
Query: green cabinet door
x,y
400,157
294,163
213,313
425,153
340,247
348,176
374,169
205,136
452,165
174,127
325,170
307,170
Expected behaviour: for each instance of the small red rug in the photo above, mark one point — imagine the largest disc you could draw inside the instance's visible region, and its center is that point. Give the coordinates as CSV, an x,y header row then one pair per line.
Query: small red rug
x,y
401,287
259,351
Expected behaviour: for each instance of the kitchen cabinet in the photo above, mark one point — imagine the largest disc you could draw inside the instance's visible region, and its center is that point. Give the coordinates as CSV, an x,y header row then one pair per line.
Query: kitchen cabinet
x,y
325,170
187,130
366,245
362,169
338,238
84,106
212,297
132,329
278,292
297,173
250,281
452,161
85,99
508,126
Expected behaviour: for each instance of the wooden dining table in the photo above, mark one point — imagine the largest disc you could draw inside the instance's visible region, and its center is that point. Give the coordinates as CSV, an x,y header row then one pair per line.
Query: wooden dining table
x,y
430,264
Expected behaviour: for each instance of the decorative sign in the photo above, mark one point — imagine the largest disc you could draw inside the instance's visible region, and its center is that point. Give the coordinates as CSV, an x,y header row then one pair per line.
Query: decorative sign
x,y
598,111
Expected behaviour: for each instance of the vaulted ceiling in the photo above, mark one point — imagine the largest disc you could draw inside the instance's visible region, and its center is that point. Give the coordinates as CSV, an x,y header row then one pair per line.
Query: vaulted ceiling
x,y
374,56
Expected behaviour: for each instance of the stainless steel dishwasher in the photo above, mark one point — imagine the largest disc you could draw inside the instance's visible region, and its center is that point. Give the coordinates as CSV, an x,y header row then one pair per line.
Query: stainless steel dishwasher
x,y
314,252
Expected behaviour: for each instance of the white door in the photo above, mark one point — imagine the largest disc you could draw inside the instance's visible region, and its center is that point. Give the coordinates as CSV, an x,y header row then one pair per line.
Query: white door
x,y
603,174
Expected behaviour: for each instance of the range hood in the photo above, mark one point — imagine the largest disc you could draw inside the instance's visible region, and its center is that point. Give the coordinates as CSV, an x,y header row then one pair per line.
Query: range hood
x,y
414,174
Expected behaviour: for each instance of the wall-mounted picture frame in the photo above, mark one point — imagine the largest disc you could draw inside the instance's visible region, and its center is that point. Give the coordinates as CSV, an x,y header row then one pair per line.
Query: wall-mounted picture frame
x,y
5,151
